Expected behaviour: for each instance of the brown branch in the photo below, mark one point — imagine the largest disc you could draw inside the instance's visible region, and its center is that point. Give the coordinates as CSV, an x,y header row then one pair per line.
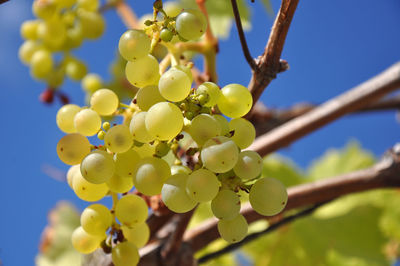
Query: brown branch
x,y
352,100
2,2
256,235
265,119
155,222
269,63
384,174
242,37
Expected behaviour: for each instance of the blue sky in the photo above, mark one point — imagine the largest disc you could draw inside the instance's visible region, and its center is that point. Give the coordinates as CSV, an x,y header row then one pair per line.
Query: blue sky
x,y
331,47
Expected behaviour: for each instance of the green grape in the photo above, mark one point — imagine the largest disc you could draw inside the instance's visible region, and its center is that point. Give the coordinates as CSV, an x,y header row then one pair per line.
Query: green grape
x,y
125,163
119,184
166,35
244,132
233,230
180,169
92,82
162,149
87,122
202,185
174,85
131,210
118,139
143,71
268,196
219,154
96,219
29,29
212,92
98,167
71,173
27,50
138,234
235,101
138,128
185,69
146,150
191,24
223,123
44,9
72,148
56,77
88,191
174,194
249,165
65,3
104,102
92,24
150,175
68,17
125,254
134,44
172,8
74,37
83,242
89,5
164,120
226,205
65,118
53,33
75,69
203,127
148,96
41,64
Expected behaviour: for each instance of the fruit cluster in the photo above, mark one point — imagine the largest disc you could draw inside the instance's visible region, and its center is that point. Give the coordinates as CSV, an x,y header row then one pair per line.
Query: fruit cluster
x,y
61,26
167,119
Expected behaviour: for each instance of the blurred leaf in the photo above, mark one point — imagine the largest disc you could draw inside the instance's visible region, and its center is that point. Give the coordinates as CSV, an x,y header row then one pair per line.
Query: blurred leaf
x,y
268,7
282,169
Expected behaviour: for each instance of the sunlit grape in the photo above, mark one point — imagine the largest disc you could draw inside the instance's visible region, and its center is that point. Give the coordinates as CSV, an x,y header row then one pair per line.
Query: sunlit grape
x,y
65,117
235,101
72,148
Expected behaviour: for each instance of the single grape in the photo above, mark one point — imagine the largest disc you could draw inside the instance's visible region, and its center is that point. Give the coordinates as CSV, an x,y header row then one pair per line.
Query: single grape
x,y
268,196
74,37
138,128
88,191
143,71
87,122
72,148
249,165
27,50
71,173
233,230
92,82
174,85
148,96
44,9
125,163
219,154
98,167
65,117
164,120
56,77
83,242
185,69
125,254
96,219
191,24
119,184
172,8
104,102
53,33
131,210
211,91
150,175
166,35
118,139
75,69
202,185
89,5
174,194
203,127
180,169
226,205
138,234
145,150
41,64
235,101
223,123
134,44
29,29
244,132
92,24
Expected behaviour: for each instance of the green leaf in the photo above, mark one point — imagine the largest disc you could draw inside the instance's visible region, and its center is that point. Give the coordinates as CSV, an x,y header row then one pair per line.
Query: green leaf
x,y
268,7
282,169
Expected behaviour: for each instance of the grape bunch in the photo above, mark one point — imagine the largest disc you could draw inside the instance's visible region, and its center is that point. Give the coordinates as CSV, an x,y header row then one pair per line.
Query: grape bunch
x,y
60,27
174,141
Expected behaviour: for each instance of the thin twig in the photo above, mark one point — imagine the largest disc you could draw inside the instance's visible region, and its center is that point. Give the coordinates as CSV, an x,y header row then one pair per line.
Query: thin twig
x,y
384,174
352,100
256,235
2,2
242,37
127,15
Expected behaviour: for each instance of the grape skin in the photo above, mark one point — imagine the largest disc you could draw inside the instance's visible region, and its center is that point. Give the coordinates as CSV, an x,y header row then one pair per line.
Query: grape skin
x,y
98,167
191,24
219,154
83,242
138,234
104,102
233,230
226,205
134,44
131,210
118,139
95,219
174,194
65,117
249,165
72,148
202,185
125,254
235,101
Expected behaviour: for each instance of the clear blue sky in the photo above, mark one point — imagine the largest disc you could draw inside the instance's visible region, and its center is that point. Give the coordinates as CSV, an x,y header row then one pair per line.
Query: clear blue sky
x,y
332,46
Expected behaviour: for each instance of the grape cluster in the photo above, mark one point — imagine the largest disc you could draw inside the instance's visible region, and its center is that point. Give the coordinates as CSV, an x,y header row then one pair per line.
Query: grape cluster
x,y
61,26
149,151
